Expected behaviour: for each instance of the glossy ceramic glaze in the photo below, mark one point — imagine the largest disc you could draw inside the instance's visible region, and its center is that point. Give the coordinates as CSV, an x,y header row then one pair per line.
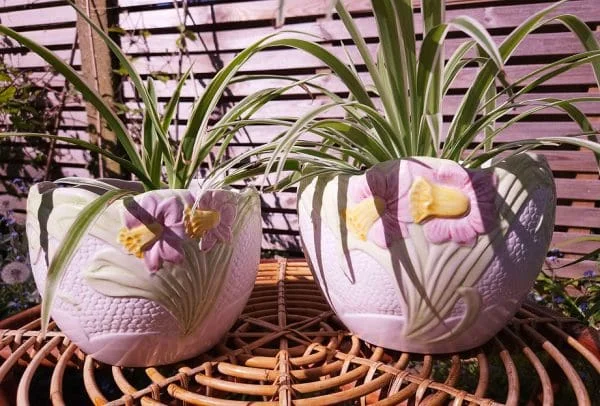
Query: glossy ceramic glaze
x,y
422,255
169,297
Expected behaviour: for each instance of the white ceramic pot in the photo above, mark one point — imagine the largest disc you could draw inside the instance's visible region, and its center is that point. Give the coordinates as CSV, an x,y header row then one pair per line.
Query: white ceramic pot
x,y
421,255
154,281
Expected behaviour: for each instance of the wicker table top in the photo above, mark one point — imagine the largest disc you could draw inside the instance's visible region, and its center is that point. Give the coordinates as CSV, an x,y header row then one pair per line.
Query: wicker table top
x,y
288,347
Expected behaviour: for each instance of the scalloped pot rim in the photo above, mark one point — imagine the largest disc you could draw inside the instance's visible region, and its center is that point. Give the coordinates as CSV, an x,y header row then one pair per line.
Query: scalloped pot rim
x,y
158,278
422,255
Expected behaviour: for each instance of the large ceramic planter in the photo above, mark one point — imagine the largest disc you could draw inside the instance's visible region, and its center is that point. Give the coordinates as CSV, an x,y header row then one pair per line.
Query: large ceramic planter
x,y
421,255
156,280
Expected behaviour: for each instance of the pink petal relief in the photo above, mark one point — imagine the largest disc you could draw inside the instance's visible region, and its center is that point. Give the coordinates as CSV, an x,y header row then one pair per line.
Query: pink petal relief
x,y
222,203
479,187
384,182
168,213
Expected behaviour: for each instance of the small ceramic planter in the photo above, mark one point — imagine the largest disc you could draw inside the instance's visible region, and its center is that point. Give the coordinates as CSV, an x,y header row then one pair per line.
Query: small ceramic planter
x,y
422,255
156,280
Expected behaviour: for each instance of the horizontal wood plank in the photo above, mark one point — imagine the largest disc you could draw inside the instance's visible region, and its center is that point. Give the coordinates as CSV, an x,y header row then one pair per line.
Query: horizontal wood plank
x,y
576,271
575,216
281,242
238,12
49,37
578,189
33,61
244,12
291,5
278,201
34,17
571,161
567,243
29,3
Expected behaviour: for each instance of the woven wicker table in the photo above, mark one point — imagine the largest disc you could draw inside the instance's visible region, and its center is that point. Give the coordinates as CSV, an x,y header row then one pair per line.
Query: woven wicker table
x,y
289,348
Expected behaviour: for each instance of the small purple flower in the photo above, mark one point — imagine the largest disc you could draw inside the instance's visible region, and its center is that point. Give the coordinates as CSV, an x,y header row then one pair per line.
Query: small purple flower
x,y
558,299
19,184
589,273
154,230
584,307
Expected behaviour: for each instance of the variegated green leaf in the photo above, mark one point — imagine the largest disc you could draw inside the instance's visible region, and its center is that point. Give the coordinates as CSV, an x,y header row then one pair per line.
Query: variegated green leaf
x,y
69,245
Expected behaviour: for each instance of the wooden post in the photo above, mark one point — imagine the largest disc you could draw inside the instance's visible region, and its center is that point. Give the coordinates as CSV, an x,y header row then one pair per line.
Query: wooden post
x,y
96,66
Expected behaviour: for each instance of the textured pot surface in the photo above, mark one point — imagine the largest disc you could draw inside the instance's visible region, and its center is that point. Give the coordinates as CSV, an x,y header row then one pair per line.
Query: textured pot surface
x,y
422,255
156,280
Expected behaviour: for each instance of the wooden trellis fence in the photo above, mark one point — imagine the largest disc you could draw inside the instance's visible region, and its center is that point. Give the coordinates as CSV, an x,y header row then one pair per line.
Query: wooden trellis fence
x,y
152,32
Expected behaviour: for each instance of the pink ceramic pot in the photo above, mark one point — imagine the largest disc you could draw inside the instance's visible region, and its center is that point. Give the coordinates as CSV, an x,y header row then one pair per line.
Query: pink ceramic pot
x,y
154,281
421,255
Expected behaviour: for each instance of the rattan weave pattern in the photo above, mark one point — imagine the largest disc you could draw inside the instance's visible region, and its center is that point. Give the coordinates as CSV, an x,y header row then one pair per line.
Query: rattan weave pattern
x,y
289,348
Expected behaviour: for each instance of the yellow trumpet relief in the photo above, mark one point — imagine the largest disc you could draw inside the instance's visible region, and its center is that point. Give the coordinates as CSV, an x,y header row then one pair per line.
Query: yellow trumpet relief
x,y
361,217
198,222
432,200
136,239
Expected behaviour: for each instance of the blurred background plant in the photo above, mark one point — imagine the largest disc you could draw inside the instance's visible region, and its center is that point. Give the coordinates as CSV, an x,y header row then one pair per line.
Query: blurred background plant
x,y
17,289
574,297
27,104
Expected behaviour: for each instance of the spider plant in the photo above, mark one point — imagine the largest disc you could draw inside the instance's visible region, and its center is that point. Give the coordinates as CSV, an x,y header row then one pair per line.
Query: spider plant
x,y
157,162
398,112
